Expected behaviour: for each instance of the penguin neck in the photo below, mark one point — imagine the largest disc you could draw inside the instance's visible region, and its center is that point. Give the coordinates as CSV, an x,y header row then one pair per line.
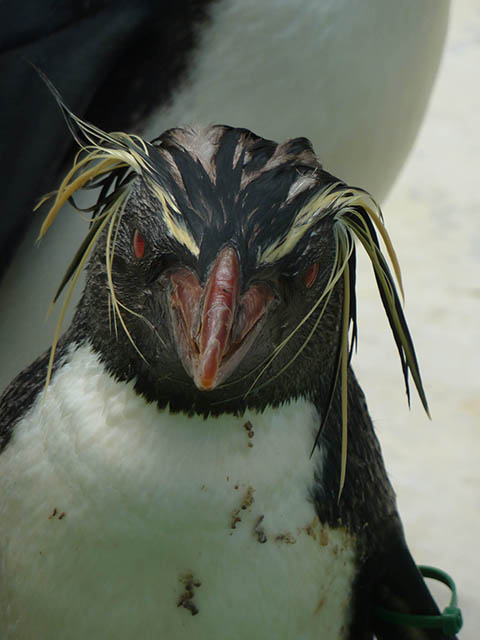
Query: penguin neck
x,y
176,390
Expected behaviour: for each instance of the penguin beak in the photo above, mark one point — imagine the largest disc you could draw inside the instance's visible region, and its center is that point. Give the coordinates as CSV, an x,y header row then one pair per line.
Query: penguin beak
x,y
214,326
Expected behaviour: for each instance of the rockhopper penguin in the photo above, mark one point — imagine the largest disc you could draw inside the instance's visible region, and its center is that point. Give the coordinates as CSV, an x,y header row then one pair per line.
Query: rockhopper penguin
x,y
194,458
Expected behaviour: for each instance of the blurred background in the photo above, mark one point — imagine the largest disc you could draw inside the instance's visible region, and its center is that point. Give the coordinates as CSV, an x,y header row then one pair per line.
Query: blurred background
x,y
433,216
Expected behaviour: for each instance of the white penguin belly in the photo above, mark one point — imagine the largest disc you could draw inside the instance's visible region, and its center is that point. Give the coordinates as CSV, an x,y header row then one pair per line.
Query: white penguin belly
x,y
122,521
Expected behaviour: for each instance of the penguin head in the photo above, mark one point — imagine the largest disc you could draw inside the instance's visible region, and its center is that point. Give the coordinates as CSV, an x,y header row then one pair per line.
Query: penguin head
x,y
222,267
213,286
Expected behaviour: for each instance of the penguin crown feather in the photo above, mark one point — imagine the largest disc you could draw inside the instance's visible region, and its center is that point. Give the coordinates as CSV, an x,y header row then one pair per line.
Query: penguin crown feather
x,y
270,198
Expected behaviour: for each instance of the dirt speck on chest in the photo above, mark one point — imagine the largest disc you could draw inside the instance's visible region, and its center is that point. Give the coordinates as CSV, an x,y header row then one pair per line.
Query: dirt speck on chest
x,y
250,433
247,502
186,598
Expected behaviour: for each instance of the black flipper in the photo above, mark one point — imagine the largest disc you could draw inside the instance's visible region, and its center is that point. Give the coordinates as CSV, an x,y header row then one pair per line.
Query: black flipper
x,y
403,589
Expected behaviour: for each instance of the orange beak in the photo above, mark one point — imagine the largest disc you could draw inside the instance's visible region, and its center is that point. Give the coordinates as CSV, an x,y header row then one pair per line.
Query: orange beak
x,y
214,326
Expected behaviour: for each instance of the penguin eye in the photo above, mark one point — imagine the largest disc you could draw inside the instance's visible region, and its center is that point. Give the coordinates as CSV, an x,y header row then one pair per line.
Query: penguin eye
x,y
310,275
138,244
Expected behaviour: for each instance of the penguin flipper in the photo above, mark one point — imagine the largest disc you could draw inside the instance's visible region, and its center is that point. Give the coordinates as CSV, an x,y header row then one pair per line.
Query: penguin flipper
x,y
403,589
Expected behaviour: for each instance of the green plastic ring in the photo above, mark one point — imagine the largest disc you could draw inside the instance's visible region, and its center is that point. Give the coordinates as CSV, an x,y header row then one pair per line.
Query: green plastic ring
x,y
449,622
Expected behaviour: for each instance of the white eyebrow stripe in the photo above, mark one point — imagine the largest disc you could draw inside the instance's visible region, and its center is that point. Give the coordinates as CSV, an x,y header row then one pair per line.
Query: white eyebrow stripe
x,y
307,216
303,183
174,223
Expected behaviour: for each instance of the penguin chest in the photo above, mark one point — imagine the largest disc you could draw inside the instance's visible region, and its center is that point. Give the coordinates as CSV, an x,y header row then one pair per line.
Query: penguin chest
x,y
120,520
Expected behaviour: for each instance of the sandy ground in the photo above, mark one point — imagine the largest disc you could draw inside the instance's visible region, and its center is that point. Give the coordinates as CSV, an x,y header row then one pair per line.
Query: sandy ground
x,y
432,214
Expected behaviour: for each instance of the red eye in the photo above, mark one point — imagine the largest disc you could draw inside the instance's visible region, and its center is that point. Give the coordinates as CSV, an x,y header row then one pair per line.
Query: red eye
x,y
311,275
138,244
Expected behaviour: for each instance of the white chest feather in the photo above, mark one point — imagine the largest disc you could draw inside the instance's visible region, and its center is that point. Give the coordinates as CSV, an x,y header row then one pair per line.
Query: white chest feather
x,y
121,521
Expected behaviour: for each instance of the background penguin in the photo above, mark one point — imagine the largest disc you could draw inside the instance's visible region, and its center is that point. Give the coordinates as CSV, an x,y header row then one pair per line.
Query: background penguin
x,y
164,487
354,78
